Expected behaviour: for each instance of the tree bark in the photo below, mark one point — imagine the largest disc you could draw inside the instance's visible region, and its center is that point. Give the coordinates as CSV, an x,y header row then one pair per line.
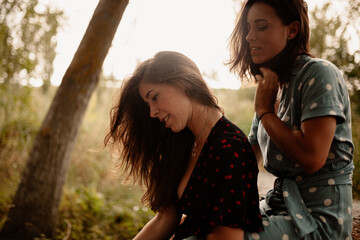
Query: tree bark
x,y
36,202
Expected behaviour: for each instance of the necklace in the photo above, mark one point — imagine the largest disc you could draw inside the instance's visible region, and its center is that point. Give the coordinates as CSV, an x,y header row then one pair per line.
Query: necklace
x,y
193,153
208,122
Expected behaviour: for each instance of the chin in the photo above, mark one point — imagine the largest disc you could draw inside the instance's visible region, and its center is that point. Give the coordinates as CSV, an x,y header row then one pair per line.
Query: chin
x,y
176,129
258,60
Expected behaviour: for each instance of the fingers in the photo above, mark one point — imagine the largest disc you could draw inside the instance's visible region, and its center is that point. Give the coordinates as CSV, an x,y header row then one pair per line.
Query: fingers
x,y
259,78
269,74
266,92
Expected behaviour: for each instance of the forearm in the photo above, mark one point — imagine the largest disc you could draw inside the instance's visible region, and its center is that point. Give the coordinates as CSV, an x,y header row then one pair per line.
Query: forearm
x,y
294,144
162,226
222,232
307,145
154,230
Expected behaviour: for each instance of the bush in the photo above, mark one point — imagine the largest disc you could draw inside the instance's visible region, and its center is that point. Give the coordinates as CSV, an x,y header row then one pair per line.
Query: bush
x,y
87,214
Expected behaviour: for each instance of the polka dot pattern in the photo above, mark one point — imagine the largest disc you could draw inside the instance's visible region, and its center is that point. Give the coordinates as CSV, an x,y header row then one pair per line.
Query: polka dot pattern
x,y
255,236
327,202
332,112
331,181
321,91
286,119
279,157
311,82
323,219
331,156
314,105
222,185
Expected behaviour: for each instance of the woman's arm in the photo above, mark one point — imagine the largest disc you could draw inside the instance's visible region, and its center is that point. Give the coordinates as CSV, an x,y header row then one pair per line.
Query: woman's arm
x,y
309,146
162,226
228,233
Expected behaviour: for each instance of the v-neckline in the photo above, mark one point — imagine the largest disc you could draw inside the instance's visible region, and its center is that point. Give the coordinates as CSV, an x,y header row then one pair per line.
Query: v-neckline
x,y
200,157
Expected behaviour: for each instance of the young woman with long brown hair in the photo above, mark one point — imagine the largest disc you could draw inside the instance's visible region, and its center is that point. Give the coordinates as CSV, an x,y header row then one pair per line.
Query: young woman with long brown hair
x,y
173,138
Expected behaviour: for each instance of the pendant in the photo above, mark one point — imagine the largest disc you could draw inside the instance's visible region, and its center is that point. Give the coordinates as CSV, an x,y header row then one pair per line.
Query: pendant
x,y
193,154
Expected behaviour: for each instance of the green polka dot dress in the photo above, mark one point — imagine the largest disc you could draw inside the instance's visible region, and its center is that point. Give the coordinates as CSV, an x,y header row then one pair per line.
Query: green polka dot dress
x,y
302,205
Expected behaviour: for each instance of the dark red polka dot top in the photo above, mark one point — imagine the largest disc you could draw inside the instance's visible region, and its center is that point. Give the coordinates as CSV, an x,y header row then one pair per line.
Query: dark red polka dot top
x,y
222,190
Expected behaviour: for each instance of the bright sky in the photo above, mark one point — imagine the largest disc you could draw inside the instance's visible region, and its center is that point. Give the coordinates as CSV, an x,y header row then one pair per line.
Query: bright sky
x,y
197,28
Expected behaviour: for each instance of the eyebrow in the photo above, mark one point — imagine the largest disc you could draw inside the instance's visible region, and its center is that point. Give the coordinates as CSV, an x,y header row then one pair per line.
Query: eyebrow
x,y
260,20
148,93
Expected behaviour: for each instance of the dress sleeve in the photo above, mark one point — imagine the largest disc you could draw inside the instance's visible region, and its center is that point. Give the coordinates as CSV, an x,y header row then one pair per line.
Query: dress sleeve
x,y
232,199
323,92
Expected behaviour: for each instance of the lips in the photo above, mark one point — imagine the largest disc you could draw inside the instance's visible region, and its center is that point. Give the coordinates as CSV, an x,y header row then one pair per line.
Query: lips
x,y
165,119
254,49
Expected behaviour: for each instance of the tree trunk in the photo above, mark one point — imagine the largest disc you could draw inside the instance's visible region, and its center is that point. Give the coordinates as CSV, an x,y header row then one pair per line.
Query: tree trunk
x,y
38,196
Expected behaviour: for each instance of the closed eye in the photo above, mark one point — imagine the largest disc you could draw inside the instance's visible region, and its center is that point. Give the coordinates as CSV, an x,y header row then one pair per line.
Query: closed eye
x,y
263,28
155,97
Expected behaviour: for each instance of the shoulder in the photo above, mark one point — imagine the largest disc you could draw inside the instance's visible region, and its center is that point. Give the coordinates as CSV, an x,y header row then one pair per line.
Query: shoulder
x,y
229,141
320,67
318,74
226,133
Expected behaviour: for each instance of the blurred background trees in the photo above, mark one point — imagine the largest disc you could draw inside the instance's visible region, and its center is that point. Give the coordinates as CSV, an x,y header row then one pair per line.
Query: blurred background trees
x,y
331,34
27,41
94,204
34,212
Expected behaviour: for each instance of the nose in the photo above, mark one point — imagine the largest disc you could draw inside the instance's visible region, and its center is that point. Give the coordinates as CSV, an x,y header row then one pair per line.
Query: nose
x,y
250,36
154,112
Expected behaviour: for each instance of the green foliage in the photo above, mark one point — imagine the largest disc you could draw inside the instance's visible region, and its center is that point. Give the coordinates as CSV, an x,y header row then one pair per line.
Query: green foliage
x,y
18,125
86,214
329,41
356,140
238,106
27,41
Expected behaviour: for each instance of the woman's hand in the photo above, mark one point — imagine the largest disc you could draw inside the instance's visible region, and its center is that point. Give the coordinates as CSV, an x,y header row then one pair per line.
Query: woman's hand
x,y
266,92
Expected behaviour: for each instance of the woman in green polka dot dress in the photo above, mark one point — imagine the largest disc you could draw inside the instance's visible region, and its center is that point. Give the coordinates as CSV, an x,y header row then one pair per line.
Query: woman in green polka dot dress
x,y
302,126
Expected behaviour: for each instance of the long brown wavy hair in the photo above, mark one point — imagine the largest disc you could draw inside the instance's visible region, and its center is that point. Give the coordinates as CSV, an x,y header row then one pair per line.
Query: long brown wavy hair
x,y
149,153
288,11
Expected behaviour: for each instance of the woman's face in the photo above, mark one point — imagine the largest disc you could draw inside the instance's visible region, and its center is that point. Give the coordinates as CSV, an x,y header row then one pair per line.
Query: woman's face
x,y
167,103
267,35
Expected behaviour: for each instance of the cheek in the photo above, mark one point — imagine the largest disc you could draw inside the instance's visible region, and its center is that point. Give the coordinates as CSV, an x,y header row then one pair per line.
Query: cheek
x,y
275,46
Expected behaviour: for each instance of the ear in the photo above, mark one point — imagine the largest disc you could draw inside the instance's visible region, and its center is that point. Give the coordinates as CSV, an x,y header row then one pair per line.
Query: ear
x,y
293,29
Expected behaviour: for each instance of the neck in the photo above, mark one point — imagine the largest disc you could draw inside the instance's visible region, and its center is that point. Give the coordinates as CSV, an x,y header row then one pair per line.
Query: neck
x,y
203,120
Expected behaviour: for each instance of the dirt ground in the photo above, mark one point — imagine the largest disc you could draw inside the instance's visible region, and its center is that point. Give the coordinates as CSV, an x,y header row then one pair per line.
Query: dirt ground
x,y
265,183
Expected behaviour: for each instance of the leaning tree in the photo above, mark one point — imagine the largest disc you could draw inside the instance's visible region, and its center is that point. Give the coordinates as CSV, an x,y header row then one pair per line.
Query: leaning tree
x,y
35,205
